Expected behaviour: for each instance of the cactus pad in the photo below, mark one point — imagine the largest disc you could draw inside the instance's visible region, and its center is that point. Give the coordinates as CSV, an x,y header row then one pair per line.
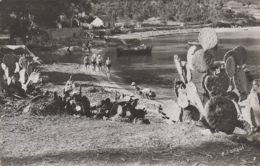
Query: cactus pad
x,y
182,99
208,38
9,61
190,56
230,66
217,84
203,78
202,60
34,77
221,114
177,61
188,73
242,82
237,57
23,62
191,113
231,96
242,51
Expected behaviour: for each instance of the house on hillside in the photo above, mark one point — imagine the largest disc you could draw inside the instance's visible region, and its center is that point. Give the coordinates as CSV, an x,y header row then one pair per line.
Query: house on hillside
x,y
97,22
108,21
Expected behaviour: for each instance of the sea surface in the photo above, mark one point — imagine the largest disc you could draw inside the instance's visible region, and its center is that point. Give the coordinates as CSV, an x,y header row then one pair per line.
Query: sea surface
x,y
158,71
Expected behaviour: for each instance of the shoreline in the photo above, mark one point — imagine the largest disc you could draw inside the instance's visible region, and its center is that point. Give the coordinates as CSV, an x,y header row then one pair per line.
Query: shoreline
x,y
147,34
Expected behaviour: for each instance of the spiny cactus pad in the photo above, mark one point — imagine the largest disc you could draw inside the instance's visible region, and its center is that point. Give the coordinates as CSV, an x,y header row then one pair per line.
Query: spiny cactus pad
x,y
242,51
202,60
9,61
221,114
208,38
217,84
230,66
237,57
242,82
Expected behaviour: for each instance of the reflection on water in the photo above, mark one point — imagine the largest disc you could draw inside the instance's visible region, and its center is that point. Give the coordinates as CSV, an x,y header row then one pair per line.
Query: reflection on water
x,y
128,59
158,70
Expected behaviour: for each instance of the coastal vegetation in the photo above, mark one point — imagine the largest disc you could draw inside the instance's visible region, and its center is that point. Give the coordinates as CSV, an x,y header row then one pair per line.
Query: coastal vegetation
x,y
48,12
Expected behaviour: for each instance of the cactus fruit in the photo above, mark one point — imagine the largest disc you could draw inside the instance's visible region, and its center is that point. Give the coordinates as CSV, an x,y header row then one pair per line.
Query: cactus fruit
x,y
217,84
221,114
242,51
202,60
237,57
208,38
243,82
230,66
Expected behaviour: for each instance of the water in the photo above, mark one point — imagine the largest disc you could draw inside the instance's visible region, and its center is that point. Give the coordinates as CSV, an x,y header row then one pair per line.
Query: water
x,y
158,70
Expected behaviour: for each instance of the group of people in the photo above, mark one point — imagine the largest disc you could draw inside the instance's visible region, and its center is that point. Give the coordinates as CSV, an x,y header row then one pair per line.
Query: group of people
x,y
95,62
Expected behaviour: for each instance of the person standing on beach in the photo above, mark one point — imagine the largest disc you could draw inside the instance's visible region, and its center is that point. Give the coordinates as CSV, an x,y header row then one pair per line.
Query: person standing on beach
x,y
99,63
108,65
93,62
87,63
69,51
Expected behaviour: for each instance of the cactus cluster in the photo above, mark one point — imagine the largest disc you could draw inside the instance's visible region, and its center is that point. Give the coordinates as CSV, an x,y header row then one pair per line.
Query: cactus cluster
x,y
225,83
17,76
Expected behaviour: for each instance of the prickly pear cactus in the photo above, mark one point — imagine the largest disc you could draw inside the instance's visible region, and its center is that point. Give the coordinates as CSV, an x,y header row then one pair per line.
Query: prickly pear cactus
x,y
243,81
221,114
237,57
202,60
230,66
217,84
242,51
208,38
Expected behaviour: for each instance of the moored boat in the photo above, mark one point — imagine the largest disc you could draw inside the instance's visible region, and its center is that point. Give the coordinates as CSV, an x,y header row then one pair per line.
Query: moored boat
x,y
147,50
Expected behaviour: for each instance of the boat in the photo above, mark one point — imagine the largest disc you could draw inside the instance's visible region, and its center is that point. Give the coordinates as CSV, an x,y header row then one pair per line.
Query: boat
x,y
140,50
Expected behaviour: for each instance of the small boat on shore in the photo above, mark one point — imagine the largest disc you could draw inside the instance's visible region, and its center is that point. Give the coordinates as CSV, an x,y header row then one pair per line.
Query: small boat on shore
x,y
140,50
